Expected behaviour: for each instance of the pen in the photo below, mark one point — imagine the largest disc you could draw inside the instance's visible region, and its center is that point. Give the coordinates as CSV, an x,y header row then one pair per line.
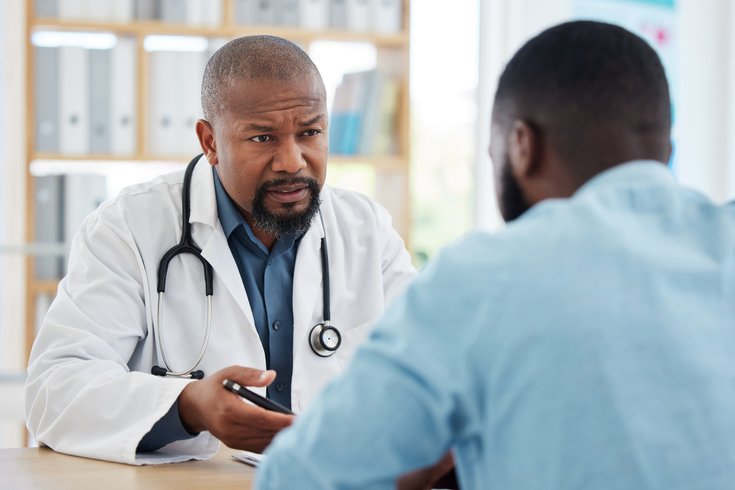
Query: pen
x,y
255,398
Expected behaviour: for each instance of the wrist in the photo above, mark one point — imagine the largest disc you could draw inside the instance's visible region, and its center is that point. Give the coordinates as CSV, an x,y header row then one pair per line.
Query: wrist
x,y
188,413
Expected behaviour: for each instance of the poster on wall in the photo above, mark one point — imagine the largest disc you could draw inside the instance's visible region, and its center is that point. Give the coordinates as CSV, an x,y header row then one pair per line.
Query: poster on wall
x,y
653,20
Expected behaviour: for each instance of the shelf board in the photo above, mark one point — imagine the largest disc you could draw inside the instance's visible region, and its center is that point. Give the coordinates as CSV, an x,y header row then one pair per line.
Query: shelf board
x,y
44,286
147,28
77,161
385,162
61,157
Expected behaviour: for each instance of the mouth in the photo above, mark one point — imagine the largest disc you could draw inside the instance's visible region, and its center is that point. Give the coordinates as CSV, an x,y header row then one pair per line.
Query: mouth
x,y
286,194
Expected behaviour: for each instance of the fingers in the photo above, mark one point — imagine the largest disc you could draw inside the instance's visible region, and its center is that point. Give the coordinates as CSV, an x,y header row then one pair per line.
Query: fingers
x,y
424,478
243,426
246,376
245,414
207,405
230,418
255,445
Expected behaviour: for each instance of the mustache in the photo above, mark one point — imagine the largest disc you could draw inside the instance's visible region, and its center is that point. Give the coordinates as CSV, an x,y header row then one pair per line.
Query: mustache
x,y
307,181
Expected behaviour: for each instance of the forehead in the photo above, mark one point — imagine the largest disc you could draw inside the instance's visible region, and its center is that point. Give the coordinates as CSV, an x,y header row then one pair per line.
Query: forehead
x,y
262,96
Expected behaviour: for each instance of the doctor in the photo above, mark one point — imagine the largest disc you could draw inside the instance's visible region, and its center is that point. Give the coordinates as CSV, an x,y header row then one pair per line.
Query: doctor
x,y
299,272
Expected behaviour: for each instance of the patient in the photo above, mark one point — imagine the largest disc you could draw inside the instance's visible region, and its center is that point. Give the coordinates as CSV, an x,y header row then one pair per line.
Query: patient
x,y
590,344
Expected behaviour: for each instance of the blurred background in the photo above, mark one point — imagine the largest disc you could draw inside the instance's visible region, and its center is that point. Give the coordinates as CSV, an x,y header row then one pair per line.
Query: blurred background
x,y
100,94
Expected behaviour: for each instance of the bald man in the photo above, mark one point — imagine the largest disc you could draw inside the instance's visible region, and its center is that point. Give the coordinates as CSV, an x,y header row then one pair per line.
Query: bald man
x,y
299,273
589,345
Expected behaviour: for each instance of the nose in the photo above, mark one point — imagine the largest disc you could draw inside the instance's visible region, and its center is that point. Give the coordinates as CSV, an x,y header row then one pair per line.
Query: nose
x,y
288,157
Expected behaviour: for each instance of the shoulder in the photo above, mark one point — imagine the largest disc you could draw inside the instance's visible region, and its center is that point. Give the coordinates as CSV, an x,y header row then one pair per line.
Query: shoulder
x,y
155,189
141,204
353,208
483,262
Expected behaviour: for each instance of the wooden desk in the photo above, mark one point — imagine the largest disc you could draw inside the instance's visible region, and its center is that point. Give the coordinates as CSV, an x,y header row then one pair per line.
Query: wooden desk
x,y
41,468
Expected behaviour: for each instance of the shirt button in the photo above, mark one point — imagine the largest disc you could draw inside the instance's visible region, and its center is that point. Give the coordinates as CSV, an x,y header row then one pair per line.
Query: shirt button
x,y
276,325
270,262
279,387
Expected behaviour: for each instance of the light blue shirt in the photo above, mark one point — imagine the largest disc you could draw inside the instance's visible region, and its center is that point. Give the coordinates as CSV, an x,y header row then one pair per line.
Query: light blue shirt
x,y
589,345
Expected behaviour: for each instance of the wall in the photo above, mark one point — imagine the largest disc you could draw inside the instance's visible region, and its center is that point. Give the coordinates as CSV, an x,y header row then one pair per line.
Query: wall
x,y
705,109
12,175
504,26
12,178
705,139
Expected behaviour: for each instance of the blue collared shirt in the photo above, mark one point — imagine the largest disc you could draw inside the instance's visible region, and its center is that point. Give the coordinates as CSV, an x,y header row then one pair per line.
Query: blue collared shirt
x,y
268,280
588,345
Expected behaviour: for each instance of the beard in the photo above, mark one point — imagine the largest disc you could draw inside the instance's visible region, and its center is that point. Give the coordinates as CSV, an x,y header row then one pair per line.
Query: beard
x,y
287,222
511,200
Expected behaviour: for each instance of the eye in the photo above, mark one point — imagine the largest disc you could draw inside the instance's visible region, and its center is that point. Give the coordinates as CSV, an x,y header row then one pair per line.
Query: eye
x,y
261,138
312,132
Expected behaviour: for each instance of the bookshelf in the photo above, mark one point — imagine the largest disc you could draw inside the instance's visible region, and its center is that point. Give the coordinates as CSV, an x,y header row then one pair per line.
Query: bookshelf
x,y
389,172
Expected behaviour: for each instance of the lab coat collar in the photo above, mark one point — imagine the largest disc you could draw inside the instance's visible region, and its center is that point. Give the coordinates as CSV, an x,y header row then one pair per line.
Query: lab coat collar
x,y
208,234
203,198
308,270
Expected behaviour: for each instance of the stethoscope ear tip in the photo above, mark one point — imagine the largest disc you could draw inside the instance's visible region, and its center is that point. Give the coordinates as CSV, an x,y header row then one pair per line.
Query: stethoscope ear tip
x,y
158,371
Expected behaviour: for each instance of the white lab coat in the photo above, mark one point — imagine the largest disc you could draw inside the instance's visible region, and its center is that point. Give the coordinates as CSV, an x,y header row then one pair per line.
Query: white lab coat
x,y
89,391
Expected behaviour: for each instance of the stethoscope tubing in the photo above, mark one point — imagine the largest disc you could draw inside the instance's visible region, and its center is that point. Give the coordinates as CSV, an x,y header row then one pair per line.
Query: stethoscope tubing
x,y
159,338
187,245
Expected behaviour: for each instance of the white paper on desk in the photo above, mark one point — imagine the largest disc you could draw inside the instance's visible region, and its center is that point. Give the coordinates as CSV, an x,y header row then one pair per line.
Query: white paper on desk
x,y
249,458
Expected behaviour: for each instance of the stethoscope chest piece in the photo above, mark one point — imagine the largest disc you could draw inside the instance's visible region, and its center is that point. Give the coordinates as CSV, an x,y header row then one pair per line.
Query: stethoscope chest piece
x,y
324,339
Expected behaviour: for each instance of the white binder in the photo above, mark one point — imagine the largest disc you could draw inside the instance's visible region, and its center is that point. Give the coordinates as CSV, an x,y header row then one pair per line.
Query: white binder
x,y
43,303
71,9
189,108
265,12
173,11
47,99
163,103
73,101
148,9
83,193
97,10
289,13
314,14
387,16
122,88
358,15
121,11
47,223
338,14
47,8
212,47
245,12
211,12
100,100
194,12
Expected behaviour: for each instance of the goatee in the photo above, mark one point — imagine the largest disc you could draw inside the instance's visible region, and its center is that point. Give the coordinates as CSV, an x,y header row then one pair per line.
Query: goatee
x,y
287,222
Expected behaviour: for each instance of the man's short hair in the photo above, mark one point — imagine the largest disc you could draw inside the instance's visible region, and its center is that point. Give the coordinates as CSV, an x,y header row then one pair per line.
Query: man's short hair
x,y
252,57
584,84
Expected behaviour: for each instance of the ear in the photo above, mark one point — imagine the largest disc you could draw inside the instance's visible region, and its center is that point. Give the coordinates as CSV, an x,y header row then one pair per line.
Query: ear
x,y
205,133
524,148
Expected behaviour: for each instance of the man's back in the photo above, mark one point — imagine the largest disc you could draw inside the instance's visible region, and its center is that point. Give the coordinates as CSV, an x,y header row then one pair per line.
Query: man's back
x,y
590,345
608,361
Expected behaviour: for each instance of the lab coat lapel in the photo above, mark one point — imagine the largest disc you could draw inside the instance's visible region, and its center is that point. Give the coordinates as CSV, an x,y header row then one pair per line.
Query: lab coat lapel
x,y
307,277
208,234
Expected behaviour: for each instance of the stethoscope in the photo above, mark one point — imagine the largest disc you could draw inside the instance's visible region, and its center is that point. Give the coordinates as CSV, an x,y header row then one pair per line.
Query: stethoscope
x,y
324,337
